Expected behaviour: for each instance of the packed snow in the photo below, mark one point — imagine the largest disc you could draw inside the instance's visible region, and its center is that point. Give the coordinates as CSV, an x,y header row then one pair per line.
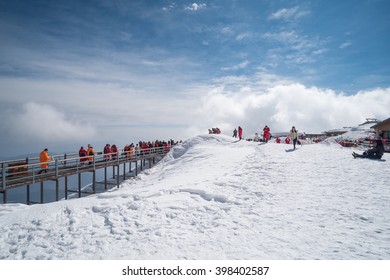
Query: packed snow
x,y
214,197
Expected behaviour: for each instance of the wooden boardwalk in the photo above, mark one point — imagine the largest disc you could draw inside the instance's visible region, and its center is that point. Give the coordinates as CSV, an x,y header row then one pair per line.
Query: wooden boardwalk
x,y
24,173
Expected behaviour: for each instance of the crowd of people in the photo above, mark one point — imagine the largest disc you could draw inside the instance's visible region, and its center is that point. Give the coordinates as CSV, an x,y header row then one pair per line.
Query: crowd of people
x,y
111,152
214,130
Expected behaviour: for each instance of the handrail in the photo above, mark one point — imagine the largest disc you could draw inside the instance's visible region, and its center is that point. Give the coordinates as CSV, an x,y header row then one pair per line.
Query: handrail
x,y
61,165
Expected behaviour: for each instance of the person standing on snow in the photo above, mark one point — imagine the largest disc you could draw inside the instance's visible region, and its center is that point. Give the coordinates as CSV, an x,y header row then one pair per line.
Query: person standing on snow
x,y
266,134
293,135
235,133
240,132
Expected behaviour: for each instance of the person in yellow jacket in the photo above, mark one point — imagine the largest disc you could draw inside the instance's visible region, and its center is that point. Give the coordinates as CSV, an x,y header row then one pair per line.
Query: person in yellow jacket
x,y
44,158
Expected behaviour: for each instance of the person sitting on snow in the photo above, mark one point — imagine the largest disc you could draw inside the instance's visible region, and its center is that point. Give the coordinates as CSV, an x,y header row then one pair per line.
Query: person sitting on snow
x,y
373,153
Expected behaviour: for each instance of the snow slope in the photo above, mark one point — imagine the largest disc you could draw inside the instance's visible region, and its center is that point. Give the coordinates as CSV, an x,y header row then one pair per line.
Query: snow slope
x,y
213,198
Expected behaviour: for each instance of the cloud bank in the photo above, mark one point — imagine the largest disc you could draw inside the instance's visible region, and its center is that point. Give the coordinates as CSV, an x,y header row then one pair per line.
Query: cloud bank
x,y
40,124
310,109
118,116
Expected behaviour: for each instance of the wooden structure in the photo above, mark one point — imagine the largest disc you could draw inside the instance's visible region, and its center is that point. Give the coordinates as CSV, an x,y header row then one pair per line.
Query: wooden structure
x,y
383,129
20,173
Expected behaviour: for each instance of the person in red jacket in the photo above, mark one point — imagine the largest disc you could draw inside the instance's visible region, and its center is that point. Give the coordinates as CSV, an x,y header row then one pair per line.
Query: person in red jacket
x,y
82,155
114,151
240,132
107,152
266,134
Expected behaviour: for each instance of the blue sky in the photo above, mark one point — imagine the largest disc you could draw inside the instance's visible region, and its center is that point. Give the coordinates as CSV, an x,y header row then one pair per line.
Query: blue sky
x,y
156,67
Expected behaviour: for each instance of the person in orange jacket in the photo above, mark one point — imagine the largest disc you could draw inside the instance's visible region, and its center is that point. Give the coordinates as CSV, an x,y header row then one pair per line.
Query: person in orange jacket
x,y
44,159
90,153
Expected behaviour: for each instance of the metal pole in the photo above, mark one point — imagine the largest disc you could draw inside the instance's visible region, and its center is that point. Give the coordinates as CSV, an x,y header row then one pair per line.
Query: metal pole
x,y
28,195
105,177
94,181
42,192
56,166
33,174
4,176
124,171
66,187
79,186
118,177
5,196
27,188
57,189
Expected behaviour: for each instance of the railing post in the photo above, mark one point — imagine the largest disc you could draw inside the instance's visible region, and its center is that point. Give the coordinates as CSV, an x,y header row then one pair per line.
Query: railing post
x,y
28,195
79,185
41,192
56,166
33,174
66,187
57,189
118,178
94,181
4,176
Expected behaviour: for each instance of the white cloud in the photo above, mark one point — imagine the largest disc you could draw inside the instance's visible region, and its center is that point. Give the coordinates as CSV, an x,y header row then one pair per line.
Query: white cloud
x,y
227,30
281,106
170,7
241,65
40,122
284,36
345,45
294,48
244,36
195,7
289,14
226,102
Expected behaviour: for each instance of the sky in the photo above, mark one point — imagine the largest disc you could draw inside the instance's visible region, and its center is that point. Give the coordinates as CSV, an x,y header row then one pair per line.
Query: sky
x,y
79,72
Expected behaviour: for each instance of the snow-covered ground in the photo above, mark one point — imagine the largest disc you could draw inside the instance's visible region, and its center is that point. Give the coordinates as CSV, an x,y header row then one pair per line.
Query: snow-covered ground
x,y
213,198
